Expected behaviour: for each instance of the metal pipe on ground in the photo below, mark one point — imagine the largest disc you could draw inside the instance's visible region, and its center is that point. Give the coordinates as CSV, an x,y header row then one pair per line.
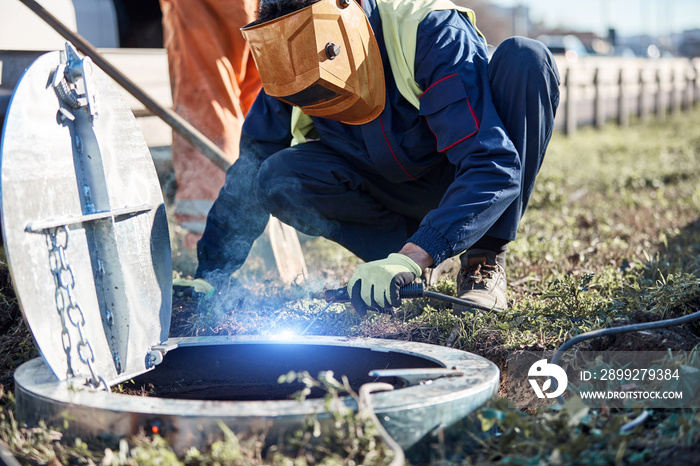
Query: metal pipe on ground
x,y
210,150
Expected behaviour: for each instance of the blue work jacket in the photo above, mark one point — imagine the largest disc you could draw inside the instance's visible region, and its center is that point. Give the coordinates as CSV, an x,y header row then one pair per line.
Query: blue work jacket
x,y
456,123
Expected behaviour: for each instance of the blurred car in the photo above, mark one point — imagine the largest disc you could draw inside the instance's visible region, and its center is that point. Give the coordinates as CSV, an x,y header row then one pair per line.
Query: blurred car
x,y
568,45
622,51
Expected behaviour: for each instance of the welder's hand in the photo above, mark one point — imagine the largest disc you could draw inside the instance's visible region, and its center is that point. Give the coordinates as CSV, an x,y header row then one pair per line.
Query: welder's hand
x,y
189,288
377,283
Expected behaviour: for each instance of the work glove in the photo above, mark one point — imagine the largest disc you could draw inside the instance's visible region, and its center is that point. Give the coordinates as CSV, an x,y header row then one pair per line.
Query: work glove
x,y
193,288
377,283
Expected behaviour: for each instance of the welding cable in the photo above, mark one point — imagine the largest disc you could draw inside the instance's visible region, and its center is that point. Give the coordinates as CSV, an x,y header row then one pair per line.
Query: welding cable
x,y
417,290
420,292
616,331
366,408
624,329
471,307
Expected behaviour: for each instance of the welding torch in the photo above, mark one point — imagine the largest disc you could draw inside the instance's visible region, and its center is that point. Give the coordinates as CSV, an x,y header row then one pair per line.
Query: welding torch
x,y
410,291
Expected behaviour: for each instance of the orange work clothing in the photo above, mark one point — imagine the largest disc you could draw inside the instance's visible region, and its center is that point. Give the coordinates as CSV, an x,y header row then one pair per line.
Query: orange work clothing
x,y
214,82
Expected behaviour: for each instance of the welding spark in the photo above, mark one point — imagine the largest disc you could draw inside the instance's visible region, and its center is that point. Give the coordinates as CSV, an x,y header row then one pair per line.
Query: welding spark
x,y
284,334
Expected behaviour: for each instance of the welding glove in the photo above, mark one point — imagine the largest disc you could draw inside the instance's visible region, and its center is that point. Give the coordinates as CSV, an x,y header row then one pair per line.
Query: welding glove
x,y
377,283
190,288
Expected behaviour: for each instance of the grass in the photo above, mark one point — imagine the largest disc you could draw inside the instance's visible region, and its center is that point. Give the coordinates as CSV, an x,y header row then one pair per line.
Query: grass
x,y
612,235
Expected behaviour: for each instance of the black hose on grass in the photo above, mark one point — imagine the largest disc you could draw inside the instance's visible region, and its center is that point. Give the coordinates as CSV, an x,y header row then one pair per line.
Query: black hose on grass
x,y
616,331
624,329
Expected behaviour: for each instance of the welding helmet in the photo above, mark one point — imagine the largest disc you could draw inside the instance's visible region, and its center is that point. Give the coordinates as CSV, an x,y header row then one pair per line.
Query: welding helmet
x,y
324,59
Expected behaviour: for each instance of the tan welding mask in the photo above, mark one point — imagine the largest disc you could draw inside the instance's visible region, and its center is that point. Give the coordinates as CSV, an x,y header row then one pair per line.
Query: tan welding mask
x,y
324,59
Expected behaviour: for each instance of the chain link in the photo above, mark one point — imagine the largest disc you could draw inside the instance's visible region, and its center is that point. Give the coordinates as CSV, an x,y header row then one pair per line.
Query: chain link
x,y
66,304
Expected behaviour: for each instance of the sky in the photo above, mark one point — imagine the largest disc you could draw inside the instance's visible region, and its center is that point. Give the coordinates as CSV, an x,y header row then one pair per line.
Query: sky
x,y
629,17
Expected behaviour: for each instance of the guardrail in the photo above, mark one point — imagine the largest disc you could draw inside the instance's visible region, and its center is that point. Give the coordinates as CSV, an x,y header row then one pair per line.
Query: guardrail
x,y
596,90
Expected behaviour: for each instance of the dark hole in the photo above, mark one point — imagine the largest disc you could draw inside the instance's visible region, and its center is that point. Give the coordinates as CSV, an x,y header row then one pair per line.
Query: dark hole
x,y
242,372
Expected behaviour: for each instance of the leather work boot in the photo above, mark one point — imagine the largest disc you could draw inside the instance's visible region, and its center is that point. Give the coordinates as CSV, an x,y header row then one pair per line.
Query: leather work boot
x,y
482,280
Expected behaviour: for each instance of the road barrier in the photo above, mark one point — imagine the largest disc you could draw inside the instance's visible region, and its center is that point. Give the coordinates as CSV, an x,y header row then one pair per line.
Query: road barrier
x,y
596,90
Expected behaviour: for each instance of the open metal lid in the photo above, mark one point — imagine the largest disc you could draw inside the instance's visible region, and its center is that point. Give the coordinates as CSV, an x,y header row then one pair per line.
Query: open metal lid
x,y
84,223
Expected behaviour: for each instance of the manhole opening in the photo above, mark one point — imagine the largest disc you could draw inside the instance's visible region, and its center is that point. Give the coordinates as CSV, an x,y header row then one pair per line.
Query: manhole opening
x,y
243,372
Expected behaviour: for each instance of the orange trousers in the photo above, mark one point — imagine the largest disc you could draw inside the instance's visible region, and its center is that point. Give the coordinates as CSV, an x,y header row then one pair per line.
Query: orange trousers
x,y
214,82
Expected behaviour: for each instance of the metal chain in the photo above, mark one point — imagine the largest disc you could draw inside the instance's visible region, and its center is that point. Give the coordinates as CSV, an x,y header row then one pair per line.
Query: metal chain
x,y
66,304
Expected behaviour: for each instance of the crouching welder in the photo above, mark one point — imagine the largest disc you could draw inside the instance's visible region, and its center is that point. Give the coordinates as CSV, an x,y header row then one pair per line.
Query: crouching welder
x,y
383,126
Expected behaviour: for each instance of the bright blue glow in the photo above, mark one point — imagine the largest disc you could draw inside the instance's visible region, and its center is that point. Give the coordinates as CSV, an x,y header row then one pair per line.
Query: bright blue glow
x,y
284,334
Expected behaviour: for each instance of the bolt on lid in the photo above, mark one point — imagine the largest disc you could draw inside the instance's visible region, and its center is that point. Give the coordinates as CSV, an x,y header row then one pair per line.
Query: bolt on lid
x,y
84,222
